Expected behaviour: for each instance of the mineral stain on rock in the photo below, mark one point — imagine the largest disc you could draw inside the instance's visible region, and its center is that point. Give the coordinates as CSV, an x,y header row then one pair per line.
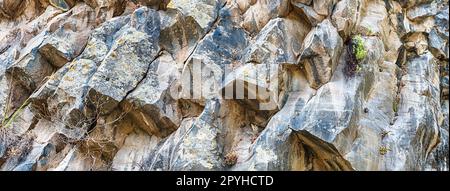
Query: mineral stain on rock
x,y
60,4
113,85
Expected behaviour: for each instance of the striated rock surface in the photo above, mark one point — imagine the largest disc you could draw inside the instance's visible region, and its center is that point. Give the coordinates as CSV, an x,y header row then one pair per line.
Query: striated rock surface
x,y
224,85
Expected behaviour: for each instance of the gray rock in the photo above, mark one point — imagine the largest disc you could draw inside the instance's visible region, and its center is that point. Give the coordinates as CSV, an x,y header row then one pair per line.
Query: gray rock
x,y
66,103
194,146
112,85
310,13
334,111
323,7
26,75
411,3
418,107
132,154
126,64
225,40
67,42
279,42
438,36
320,53
98,46
280,148
344,16
261,12
151,103
421,11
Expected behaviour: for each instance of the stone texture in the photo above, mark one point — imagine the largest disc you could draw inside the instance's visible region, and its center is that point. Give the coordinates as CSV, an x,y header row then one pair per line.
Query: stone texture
x,y
279,42
320,52
125,65
155,110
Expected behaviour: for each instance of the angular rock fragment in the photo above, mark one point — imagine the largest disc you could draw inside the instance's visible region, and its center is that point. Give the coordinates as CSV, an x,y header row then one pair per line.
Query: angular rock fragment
x,y
131,155
344,16
67,42
256,87
279,42
261,12
323,7
438,36
320,53
424,10
333,111
25,76
151,103
203,73
193,146
310,13
96,49
204,12
122,69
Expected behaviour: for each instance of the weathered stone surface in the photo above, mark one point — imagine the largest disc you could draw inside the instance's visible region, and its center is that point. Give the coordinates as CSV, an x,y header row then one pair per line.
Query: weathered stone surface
x,y
256,86
261,12
320,53
411,3
125,65
309,12
439,158
424,10
11,8
344,16
339,105
151,102
421,87
416,42
279,42
67,42
192,147
438,36
209,65
323,7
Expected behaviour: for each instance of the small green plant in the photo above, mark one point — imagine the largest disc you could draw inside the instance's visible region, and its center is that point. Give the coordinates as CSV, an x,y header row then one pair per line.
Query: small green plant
x,y
356,53
395,106
358,48
383,150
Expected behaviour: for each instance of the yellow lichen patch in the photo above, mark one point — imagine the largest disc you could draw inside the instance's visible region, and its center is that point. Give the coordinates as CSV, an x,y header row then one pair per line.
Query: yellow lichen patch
x,y
171,5
383,150
68,78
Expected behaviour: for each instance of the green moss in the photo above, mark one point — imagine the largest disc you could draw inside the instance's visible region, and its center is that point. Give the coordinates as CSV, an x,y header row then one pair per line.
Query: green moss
x,y
358,48
395,106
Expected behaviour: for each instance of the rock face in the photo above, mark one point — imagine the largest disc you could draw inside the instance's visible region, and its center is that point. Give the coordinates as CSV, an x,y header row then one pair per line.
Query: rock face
x,y
224,85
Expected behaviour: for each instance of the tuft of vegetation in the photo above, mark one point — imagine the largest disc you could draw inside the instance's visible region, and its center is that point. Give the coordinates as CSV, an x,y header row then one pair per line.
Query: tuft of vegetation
x,y
383,150
358,48
356,53
231,158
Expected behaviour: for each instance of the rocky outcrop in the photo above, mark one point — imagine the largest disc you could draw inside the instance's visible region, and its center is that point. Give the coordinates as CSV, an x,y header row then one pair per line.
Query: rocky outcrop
x,y
224,85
